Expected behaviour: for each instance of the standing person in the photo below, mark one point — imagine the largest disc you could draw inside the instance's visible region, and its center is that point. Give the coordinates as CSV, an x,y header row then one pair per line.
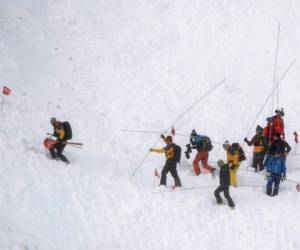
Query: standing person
x,y
224,184
203,146
276,168
235,155
172,153
278,122
63,132
269,131
259,150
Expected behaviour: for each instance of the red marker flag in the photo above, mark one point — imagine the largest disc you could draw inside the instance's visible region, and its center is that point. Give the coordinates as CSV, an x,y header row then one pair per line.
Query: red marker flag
x,y
173,131
296,136
6,90
156,173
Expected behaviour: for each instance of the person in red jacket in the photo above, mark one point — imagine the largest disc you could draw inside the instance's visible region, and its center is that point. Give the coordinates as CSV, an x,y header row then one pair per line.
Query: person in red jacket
x,y
278,122
269,131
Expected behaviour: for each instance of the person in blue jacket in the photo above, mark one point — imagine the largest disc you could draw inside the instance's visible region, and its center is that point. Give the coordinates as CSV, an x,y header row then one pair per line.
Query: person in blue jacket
x,y
276,168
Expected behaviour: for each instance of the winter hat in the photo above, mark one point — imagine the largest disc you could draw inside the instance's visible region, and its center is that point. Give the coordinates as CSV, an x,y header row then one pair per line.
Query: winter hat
x,y
169,138
220,163
259,129
270,119
226,145
279,111
53,120
194,133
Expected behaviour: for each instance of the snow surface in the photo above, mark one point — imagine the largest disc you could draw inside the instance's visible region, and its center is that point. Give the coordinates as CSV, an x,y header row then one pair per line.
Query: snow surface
x,y
110,65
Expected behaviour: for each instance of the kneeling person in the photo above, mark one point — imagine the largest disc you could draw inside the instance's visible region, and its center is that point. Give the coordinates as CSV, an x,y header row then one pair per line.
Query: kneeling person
x,y
63,132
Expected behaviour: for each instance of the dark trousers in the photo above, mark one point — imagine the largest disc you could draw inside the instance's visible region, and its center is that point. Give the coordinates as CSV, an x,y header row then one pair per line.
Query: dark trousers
x,y
257,162
57,150
170,166
225,189
273,179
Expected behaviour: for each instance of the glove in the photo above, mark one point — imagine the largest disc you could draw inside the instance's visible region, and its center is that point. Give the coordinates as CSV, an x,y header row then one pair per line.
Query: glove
x,y
283,178
151,150
162,136
245,139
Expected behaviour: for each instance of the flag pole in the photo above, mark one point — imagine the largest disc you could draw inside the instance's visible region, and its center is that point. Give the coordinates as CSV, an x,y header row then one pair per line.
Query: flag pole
x,y
154,180
2,101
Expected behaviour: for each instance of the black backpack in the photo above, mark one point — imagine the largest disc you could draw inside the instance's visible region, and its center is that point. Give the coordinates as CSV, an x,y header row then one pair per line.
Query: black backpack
x,y
177,155
68,130
236,146
206,143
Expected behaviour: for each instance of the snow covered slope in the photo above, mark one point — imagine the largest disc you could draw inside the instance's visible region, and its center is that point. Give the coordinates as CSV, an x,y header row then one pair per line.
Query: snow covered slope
x,y
112,65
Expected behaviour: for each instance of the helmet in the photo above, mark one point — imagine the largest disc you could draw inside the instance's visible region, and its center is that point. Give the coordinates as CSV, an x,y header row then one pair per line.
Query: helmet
x,y
279,111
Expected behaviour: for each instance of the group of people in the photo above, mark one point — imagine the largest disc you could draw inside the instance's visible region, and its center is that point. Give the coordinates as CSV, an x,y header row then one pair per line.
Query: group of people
x,y
269,151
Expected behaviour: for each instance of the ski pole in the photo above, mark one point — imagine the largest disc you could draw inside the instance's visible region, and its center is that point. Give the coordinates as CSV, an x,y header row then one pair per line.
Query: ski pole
x,y
203,187
269,96
275,70
74,143
161,132
266,175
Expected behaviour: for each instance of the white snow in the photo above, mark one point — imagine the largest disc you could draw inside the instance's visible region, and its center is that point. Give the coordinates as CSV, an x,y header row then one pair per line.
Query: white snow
x,y
110,65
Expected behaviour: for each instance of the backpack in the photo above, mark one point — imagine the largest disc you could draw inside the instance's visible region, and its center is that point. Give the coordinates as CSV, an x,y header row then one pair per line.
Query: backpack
x,y
206,143
68,130
241,152
177,155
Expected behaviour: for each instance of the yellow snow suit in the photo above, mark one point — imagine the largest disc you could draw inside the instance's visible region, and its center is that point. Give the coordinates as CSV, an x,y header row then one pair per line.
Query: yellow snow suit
x,y
234,159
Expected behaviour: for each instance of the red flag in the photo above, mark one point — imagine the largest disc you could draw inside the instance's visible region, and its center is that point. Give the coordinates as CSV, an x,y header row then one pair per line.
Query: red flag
x,y
156,173
49,143
173,131
296,136
6,90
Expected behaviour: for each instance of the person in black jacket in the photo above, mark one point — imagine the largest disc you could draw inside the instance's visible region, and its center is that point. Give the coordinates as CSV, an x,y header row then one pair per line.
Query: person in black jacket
x,y
60,134
224,184
279,147
259,150
171,163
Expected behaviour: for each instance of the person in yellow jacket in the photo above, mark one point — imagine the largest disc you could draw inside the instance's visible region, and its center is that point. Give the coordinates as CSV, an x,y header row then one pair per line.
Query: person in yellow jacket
x,y
260,146
61,135
234,159
171,162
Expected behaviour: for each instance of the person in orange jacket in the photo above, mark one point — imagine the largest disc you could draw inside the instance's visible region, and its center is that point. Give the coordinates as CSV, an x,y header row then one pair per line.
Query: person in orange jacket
x,y
269,131
278,122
